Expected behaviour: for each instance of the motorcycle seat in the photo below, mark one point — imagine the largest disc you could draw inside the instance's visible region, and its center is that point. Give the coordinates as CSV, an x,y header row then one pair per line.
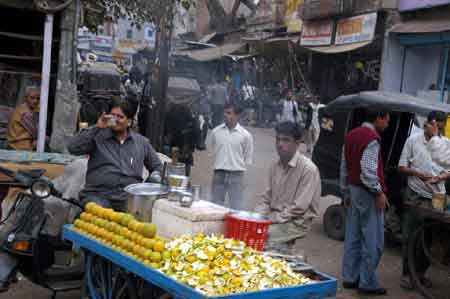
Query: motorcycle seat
x,y
32,173
54,274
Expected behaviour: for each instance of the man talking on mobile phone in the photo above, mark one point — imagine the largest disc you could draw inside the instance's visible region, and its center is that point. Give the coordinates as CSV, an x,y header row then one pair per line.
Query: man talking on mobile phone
x,y
117,156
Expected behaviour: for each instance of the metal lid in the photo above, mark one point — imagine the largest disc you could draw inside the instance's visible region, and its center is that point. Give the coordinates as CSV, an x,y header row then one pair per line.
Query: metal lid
x,y
147,189
244,215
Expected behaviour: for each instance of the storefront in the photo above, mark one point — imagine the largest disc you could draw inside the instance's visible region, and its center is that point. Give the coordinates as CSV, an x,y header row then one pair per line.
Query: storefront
x,y
416,53
345,53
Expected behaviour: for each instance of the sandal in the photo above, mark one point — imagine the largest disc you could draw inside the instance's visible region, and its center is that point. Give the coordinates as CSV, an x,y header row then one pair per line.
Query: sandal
x,y
406,284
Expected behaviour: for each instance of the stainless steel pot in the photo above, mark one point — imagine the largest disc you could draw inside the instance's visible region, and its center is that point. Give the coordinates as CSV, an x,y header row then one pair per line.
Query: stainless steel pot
x,y
142,197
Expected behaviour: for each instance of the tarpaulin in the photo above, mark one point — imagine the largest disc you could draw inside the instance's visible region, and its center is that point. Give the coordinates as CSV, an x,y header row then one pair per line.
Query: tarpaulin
x,y
211,53
182,91
339,48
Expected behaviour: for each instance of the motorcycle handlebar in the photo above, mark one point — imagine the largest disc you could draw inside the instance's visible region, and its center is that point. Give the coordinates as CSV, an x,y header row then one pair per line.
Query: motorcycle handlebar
x,y
7,172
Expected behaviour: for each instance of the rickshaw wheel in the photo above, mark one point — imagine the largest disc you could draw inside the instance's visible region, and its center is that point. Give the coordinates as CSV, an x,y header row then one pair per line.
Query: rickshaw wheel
x,y
416,240
334,222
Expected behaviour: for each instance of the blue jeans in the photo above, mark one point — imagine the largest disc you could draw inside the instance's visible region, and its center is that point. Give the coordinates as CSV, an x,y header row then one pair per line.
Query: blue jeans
x,y
364,239
228,182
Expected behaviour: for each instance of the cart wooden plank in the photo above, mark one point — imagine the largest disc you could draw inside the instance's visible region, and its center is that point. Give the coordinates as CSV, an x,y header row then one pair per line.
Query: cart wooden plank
x,y
426,210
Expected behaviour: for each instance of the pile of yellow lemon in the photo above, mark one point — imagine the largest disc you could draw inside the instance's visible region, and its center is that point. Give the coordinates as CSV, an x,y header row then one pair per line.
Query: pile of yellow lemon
x,y
123,233
213,265
217,266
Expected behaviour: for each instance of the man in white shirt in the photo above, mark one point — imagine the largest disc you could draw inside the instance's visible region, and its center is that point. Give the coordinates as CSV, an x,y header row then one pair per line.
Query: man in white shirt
x,y
425,178
289,109
232,146
439,145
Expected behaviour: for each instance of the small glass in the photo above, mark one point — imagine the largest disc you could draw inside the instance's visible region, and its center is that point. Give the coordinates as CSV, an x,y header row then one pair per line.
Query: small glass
x,y
196,191
112,122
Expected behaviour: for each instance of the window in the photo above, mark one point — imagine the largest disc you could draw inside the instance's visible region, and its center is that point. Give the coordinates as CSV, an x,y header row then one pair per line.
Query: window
x,y
129,34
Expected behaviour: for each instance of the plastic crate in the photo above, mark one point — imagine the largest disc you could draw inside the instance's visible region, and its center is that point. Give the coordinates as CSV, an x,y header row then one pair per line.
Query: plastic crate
x,y
252,232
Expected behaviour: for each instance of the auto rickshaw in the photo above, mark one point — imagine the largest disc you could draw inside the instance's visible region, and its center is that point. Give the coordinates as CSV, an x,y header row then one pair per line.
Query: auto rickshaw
x,y
347,112
98,84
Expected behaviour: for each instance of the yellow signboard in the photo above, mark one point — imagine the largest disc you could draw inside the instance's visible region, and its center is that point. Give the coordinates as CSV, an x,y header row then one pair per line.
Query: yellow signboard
x,y
292,19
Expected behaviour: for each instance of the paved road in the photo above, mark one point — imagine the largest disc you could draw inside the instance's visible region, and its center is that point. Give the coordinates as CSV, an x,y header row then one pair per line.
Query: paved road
x,y
321,251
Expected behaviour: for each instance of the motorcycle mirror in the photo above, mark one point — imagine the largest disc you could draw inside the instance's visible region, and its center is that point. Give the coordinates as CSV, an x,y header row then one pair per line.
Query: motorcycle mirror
x,y
41,189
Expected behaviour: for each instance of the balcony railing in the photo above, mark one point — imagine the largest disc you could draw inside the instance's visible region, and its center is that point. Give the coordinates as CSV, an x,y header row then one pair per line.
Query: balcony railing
x,y
321,9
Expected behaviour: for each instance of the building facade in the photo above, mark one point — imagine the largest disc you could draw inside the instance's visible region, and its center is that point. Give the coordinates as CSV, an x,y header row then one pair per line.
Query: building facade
x,y
416,52
344,40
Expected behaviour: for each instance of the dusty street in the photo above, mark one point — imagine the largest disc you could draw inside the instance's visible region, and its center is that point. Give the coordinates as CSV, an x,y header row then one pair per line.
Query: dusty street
x,y
321,251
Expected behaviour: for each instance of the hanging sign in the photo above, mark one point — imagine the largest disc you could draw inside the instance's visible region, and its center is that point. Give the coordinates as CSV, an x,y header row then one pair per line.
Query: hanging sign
x,y
317,33
356,29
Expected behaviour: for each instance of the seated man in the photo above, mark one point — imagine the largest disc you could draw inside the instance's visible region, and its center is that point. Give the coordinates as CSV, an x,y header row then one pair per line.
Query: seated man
x,y
292,199
117,156
425,177
23,124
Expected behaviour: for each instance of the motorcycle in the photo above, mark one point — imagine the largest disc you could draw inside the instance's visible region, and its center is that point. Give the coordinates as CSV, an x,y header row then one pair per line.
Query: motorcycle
x,y
26,248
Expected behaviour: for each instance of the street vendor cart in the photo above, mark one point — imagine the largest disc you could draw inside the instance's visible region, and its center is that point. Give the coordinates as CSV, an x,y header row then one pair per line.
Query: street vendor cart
x,y
101,280
433,237
117,269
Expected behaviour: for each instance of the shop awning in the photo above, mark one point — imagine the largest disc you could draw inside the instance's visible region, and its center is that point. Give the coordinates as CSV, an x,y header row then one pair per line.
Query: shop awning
x,y
435,24
339,48
240,57
293,39
211,53
207,38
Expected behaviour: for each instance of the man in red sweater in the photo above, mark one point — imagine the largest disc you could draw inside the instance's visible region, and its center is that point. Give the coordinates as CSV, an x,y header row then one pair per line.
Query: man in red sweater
x,y
363,186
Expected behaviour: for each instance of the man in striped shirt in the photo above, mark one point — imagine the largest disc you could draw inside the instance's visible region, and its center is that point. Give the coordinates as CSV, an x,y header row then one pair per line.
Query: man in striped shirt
x,y
362,182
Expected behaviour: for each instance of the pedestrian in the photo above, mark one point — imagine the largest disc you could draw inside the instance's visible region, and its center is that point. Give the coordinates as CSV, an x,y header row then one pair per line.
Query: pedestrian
x,y
232,146
364,189
289,109
312,125
291,201
219,97
425,178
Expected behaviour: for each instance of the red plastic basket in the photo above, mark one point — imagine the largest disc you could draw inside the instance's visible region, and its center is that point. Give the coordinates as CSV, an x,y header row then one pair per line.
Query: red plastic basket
x,y
252,232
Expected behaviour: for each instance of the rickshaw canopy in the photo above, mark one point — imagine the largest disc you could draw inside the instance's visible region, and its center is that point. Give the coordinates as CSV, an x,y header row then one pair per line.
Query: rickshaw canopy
x,y
395,102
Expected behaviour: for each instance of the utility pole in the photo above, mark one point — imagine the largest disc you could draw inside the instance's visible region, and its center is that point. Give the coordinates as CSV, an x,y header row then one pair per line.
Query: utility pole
x,y
164,36
47,56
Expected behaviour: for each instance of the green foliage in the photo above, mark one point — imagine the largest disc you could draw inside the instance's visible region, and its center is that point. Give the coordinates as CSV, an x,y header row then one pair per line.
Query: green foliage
x,y
136,11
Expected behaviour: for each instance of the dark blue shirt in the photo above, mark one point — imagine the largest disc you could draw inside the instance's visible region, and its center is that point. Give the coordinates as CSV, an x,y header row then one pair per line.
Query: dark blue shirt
x,y
113,165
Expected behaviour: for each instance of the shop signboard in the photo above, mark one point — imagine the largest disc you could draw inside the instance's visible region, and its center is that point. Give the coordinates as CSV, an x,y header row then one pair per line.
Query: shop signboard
x,y
317,33
356,29
407,5
292,18
103,42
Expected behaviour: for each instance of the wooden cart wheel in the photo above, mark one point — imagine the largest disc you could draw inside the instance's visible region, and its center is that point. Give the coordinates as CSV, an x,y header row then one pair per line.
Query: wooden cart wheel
x,y
417,240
